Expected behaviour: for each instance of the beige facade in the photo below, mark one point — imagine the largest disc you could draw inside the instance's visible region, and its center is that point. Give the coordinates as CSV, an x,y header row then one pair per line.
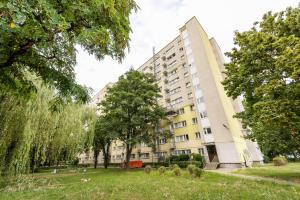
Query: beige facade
x,y
189,74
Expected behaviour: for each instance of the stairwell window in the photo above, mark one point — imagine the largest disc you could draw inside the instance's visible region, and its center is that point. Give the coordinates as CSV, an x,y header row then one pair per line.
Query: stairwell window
x,y
203,114
200,100
207,130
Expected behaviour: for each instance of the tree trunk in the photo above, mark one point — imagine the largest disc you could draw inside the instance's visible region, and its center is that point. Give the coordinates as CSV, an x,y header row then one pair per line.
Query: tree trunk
x,y
96,154
128,154
106,155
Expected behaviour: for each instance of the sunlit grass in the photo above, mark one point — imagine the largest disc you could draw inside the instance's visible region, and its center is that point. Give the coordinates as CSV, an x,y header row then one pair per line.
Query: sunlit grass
x,y
289,172
136,184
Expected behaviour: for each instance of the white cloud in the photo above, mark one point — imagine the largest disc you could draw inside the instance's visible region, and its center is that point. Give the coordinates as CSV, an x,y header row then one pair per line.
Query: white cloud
x,y
157,23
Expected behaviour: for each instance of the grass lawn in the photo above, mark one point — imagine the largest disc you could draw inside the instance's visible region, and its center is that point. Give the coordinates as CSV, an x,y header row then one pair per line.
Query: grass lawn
x,y
137,185
289,172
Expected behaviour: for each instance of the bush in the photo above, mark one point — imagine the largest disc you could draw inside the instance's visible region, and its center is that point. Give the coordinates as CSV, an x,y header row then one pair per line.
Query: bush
x,y
148,169
190,168
184,164
197,171
177,171
183,157
197,157
174,166
279,161
161,170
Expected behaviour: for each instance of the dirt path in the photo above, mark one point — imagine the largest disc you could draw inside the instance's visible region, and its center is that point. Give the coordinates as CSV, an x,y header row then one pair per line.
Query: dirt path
x,y
228,172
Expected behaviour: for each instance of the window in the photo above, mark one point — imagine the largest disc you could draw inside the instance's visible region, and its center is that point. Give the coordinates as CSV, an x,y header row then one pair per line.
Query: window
x,y
172,73
203,114
119,157
190,95
186,74
194,75
179,152
173,81
182,138
197,87
181,49
188,84
176,90
132,156
161,154
144,144
198,135
173,62
200,100
201,151
181,111
195,120
169,49
180,124
176,101
144,155
207,130
163,141
192,107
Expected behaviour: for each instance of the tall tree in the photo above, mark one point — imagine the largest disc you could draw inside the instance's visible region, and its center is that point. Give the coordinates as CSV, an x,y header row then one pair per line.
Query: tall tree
x,y
265,70
104,134
132,102
40,36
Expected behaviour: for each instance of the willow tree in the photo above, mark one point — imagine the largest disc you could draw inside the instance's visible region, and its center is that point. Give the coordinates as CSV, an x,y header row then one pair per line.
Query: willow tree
x,y
32,133
40,36
265,70
132,103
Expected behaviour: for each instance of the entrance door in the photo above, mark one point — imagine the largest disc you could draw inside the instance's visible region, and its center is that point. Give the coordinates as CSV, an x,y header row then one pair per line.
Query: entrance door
x,y
212,153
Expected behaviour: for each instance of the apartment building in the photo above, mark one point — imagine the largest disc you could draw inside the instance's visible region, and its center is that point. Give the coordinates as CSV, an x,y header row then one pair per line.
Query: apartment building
x,y
189,74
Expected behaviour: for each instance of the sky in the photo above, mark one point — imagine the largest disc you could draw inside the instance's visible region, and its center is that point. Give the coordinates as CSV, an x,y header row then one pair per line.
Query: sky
x,y
157,22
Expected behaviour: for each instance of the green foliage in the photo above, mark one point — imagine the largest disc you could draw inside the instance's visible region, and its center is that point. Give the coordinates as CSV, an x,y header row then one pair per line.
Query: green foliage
x,y
176,171
197,172
147,169
104,134
132,106
41,36
182,157
174,166
279,161
197,157
265,70
190,168
184,164
162,170
33,133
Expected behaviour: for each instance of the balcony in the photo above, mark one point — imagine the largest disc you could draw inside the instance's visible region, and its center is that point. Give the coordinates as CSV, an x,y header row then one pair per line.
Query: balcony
x,y
171,112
